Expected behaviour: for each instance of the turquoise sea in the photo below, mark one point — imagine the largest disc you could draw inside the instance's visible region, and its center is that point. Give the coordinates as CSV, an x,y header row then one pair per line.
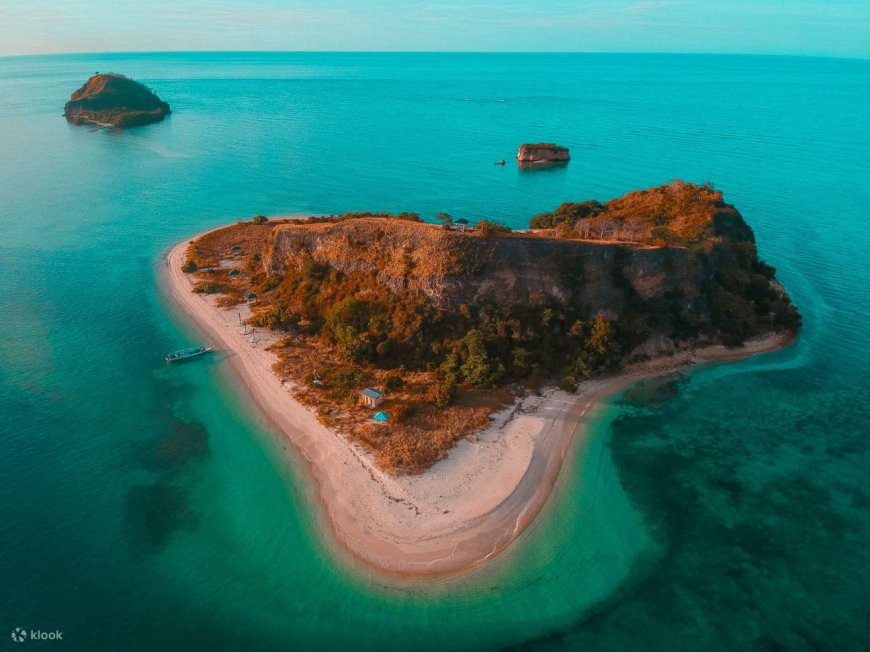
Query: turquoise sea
x,y
148,508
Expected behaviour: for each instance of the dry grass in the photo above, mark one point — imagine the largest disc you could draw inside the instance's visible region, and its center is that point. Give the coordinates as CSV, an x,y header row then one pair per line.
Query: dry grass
x,y
214,257
677,213
403,445
415,446
209,249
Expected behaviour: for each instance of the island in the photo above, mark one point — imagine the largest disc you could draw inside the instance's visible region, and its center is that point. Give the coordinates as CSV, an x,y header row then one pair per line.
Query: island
x,y
542,154
435,377
113,100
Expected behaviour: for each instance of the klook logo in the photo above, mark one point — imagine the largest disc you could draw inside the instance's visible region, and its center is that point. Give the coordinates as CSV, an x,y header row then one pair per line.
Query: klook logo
x,y
19,635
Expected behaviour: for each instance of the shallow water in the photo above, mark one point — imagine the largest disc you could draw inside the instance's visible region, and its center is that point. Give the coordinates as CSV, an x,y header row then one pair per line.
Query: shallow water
x,y
148,506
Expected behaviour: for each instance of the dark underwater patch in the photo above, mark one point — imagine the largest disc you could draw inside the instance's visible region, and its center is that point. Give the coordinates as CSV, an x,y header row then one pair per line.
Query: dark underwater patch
x,y
181,443
654,391
157,511
759,505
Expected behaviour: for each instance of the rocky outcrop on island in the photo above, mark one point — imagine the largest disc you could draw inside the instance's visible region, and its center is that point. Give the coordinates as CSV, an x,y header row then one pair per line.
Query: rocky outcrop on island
x,y
110,99
450,269
542,153
674,261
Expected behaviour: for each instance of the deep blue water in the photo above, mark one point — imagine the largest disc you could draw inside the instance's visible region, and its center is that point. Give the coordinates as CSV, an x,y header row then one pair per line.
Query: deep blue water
x,y
148,508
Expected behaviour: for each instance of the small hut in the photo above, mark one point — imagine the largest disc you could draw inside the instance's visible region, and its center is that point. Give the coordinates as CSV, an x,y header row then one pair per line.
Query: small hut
x,y
250,297
234,272
372,397
461,223
236,250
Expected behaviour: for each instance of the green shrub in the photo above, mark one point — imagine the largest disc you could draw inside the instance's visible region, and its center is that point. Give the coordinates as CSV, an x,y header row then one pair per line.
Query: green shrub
x,y
402,412
270,283
568,383
490,229
277,318
565,231
444,391
254,264
206,288
479,368
394,383
189,267
347,378
348,322
260,219
314,272
567,213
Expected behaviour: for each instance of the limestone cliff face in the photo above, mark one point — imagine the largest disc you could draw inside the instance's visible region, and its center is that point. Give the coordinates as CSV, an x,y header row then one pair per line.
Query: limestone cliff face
x,y
542,153
451,268
112,99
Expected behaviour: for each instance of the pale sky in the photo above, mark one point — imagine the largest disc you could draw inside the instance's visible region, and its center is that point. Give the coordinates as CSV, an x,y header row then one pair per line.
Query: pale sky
x,y
835,27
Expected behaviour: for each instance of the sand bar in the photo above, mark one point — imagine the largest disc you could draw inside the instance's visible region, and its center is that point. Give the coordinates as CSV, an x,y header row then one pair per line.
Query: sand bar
x,y
466,508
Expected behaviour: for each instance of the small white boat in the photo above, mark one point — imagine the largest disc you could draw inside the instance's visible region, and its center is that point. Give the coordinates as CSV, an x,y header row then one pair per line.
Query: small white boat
x,y
187,354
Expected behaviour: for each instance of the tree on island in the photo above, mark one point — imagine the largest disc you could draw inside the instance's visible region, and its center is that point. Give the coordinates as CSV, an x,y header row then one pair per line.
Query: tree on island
x,y
444,390
489,229
445,220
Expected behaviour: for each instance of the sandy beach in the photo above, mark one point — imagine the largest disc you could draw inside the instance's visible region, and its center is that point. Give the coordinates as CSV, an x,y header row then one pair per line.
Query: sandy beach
x,y
466,508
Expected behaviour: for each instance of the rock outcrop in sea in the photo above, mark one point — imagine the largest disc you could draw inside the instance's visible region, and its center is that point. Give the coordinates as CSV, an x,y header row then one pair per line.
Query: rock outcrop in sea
x,y
541,153
114,100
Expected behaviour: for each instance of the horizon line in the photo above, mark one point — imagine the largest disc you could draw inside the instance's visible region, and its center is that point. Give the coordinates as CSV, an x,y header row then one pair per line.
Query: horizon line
x,y
494,52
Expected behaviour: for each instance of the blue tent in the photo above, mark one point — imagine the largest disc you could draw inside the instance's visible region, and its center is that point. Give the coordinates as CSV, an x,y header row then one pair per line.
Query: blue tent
x,y
382,417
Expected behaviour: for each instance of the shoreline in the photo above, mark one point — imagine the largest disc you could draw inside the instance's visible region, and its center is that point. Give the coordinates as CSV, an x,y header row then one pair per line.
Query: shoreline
x,y
466,508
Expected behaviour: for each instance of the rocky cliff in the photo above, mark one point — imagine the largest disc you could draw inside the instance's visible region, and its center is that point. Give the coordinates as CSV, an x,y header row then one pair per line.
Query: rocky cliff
x,y
451,268
509,305
112,99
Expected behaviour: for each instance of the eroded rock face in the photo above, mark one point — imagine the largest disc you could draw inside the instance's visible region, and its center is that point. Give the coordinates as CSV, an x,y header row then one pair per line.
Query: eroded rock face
x,y
451,268
542,153
114,100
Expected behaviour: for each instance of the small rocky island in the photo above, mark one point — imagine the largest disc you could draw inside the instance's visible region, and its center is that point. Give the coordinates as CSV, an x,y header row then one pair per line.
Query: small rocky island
x,y
110,99
542,153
